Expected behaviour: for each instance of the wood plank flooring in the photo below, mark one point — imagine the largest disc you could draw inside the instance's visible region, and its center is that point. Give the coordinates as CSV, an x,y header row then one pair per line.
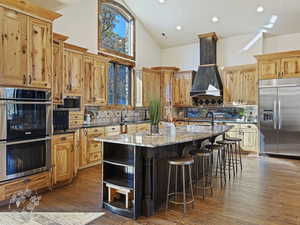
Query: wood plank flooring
x,y
266,193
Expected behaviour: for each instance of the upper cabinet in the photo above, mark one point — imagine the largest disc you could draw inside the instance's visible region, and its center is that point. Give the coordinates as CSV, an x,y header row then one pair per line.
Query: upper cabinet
x,y
40,54
95,80
244,77
73,70
279,65
182,85
151,85
58,68
25,45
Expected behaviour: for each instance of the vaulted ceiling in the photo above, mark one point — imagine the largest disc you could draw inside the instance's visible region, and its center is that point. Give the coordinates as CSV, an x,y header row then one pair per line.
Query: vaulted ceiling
x,y
236,17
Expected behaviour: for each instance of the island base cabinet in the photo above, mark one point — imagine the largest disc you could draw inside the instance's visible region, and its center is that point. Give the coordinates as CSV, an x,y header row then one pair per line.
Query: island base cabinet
x,y
35,182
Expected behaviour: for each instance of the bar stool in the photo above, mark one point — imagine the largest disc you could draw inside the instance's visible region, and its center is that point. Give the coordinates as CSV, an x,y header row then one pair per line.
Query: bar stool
x,y
204,160
229,154
220,161
237,146
181,162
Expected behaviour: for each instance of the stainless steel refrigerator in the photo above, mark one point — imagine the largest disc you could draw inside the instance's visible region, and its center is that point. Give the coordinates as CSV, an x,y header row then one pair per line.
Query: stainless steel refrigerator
x,y
279,116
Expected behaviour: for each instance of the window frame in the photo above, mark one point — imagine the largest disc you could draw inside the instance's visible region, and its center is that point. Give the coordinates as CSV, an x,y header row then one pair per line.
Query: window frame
x,y
131,88
126,13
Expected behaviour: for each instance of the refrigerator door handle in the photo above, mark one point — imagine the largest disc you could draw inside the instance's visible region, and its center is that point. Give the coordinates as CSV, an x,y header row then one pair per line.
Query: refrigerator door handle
x,y
279,115
275,115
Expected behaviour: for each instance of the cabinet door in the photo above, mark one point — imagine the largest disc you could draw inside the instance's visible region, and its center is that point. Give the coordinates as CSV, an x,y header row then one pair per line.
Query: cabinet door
x,y
182,85
57,89
13,48
290,67
89,71
151,86
269,69
249,87
250,141
73,73
40,54
63,158
100,83
83,148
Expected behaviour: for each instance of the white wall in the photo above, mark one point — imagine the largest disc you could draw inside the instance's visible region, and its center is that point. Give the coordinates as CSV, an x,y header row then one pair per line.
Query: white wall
x,y
229,53
281,43
79,22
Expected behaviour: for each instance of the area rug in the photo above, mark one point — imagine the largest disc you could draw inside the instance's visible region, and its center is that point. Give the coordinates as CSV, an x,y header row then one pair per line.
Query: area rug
x,y
48,218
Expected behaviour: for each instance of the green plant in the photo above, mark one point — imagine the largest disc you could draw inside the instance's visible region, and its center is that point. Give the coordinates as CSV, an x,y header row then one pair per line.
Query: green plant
x,y
154,112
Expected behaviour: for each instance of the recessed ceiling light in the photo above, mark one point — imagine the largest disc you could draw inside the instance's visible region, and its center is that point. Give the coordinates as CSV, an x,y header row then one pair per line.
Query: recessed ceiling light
x,y
178,27
260,9
161,1
215,19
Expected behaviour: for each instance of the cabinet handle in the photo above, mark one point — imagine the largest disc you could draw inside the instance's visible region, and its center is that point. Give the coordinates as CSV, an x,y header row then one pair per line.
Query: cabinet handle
x,y
61,96
63,139
26,180
30,79
24,79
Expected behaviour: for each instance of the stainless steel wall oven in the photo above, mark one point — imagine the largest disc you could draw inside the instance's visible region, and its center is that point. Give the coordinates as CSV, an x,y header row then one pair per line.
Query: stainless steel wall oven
x,y
25,132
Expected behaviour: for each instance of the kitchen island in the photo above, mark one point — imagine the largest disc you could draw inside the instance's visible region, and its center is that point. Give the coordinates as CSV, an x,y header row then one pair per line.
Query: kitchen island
x,y
135,167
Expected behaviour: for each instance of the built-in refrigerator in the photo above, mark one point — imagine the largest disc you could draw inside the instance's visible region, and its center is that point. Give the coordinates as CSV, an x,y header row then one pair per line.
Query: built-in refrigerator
x,y
279,116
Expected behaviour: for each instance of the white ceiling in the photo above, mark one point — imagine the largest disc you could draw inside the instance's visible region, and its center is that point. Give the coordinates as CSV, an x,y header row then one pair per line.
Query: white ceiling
x,y
236,17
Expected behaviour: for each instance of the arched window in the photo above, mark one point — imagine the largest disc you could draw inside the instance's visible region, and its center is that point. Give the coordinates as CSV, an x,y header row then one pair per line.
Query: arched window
x,y
116,29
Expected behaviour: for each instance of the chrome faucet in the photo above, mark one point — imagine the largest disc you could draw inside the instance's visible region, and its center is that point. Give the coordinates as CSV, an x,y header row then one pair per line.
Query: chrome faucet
x,y
212,118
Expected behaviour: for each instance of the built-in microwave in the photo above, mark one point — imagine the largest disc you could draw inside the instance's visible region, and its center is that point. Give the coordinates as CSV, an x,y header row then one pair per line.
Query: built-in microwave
x,y
71,103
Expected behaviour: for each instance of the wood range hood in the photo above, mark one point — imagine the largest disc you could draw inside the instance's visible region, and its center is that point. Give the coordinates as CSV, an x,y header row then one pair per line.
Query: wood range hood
x,y
207,82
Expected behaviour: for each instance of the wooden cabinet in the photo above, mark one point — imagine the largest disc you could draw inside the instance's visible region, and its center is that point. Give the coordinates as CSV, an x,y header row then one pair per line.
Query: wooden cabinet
x,y
151,86
279,65
95,80
249,135
40,54
245,78
182,85
73,70
35,182
63,157
76,119
91,150
25,50
13,48
58,68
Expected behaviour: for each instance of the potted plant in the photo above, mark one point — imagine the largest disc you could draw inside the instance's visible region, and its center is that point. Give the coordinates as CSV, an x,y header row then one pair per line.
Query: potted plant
x,y
154,114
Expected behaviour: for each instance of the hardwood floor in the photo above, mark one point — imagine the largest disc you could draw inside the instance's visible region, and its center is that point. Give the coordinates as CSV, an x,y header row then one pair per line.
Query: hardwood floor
x,y
266,193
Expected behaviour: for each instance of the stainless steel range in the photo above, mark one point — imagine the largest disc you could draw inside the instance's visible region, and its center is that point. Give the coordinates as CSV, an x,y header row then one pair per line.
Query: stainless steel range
x,y
25,129
279,108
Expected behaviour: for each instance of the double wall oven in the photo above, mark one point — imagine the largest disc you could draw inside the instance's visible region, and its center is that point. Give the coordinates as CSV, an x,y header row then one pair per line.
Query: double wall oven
x,y
25,132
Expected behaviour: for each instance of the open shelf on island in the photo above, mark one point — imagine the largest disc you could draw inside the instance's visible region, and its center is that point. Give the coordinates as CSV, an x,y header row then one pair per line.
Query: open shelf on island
x,y
122,155
118,175
121,182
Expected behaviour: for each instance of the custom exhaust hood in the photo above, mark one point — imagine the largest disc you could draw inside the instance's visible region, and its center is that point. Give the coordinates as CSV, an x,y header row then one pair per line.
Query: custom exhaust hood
x,y
207,81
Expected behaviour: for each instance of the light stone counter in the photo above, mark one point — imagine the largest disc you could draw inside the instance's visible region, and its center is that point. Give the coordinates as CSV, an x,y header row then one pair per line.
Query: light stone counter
x,y
182,136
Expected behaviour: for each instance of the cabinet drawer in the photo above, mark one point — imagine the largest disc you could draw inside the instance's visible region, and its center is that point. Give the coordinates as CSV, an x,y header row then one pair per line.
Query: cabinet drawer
x,y
76,116
249,127
131,128
94,157
96,131
94,146
181,123
75,123
63,138
112,129
143,127
34,183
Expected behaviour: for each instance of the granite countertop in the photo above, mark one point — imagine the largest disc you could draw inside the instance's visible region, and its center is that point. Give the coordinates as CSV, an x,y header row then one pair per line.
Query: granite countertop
x,y
220,120
105,124
182,136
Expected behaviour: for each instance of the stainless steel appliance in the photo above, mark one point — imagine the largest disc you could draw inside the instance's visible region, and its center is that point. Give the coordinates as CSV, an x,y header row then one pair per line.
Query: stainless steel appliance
x,y
71,103
279,108
25,130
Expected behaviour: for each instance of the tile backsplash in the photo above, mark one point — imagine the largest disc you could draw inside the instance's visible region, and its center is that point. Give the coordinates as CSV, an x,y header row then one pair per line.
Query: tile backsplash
x,y
99,115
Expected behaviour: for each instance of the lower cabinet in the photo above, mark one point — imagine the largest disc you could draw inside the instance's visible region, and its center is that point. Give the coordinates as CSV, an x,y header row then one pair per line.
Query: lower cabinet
x,y
35,182
90,150
63,158
249,135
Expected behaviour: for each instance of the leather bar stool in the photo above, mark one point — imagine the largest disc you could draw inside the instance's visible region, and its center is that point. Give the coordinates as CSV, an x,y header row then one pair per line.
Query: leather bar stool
x,y
204,168
229,154
220,165
180,163
238,151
